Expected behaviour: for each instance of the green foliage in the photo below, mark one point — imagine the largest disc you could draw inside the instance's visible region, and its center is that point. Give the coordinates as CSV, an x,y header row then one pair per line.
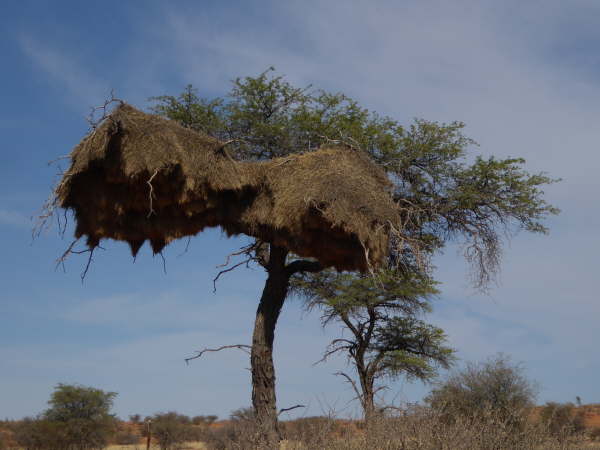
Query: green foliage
x,y
496,387
386,338
41,434
444,196
381,313
73,402
562,419
78,418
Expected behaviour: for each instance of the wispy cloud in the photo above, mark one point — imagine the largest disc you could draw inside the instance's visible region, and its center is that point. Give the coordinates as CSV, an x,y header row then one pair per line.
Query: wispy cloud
x,y
69,76
14,218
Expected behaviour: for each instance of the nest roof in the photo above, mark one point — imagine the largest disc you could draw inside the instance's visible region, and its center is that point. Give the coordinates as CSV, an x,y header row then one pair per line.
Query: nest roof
x,y
140,177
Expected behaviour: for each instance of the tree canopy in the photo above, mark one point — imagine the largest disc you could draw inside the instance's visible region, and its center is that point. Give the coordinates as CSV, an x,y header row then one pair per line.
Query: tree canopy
x,y
444,196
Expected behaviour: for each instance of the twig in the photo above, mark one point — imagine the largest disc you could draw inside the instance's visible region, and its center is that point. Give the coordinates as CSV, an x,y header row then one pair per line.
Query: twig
x,y
201,352
89,261
187,246
151,193
352,383
247,261
61,261
164,262
104,107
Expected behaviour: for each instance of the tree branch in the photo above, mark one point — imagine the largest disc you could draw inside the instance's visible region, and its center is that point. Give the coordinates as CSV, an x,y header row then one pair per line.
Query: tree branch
x,y
282,410
201,352
359,396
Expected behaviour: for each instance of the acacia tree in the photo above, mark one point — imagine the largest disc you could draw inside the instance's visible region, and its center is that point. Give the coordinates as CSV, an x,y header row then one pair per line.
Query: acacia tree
x,y
438,195
386,338
442,197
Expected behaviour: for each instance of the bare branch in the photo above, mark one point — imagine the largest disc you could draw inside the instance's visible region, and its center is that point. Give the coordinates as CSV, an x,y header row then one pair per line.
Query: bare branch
x,y
187,246
352,383
215,279
201,352
282,410
164,262
89,261
104,108
61,261
246,250
250,250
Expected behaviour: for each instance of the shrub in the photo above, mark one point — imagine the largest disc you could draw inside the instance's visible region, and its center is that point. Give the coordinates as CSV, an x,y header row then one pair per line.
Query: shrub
x,y
495,388
169,429
126,438
204,420
40,434
562,419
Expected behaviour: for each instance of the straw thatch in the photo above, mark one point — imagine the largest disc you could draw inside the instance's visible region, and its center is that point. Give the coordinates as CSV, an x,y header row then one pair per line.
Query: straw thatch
x,y
140,177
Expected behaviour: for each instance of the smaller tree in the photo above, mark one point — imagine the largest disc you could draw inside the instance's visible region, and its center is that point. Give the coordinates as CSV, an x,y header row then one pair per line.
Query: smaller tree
x,y
84,414
496,389
387,339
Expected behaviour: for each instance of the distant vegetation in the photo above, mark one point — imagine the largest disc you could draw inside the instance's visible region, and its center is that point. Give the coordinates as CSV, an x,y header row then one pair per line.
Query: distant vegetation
x,y
489,405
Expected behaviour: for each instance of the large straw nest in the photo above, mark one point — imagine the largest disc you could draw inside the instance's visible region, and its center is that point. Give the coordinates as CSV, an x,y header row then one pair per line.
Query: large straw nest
x,y
140,177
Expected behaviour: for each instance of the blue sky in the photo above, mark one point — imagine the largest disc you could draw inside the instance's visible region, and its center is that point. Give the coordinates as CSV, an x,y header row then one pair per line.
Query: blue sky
x,y
523,76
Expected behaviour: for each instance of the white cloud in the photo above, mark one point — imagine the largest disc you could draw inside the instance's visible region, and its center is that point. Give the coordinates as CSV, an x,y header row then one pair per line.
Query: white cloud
x,y
69,76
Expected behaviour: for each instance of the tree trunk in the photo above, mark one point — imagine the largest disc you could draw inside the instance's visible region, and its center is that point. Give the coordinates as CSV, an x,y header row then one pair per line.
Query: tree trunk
x,y
368,397
261,359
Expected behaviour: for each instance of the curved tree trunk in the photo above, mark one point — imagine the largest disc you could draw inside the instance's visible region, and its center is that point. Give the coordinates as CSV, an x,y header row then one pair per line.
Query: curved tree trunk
x,y
261,359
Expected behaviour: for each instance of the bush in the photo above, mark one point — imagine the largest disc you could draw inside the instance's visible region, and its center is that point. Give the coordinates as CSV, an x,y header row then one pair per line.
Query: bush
x,y
562,419
126,438
79,418
204,420
169,429
40,434
495,388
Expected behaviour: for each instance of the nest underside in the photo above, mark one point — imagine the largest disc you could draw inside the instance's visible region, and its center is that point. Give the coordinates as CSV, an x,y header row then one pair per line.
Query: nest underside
x,y
138,177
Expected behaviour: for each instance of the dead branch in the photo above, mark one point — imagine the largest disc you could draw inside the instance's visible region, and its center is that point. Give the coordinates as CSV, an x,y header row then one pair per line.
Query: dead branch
x,y
251,251
352,383
187,246
247,249
282,410
89,261
104,108
61,261
201,352
164,262
215,279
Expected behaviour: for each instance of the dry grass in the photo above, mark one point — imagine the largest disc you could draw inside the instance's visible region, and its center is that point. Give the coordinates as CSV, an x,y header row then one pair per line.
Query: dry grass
x,y
411,429
139,177
185,446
